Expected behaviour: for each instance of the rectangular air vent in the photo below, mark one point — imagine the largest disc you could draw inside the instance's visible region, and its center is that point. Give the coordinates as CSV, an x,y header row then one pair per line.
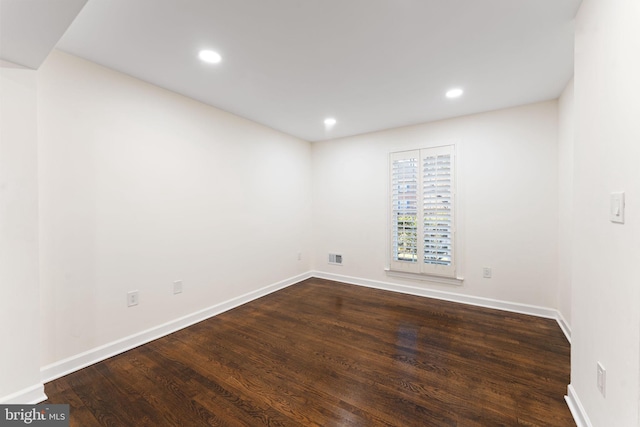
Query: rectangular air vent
x,y
335,259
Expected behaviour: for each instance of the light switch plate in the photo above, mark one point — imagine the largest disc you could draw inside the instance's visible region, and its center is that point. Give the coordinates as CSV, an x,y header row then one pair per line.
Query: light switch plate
x,y
616,208
602,379
177,287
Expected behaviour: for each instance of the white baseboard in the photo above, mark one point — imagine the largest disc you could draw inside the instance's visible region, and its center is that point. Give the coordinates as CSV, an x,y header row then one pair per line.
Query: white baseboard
x,y
564,325
87,358
27,396
576,408
514,307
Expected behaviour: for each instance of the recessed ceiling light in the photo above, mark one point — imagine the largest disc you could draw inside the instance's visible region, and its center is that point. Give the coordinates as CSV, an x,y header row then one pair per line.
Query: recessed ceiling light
x,y
454,93
330,121
210,56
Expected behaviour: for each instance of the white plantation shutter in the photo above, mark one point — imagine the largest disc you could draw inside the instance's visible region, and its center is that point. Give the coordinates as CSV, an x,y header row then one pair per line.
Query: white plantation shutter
x,y
405,177
438,219
423,211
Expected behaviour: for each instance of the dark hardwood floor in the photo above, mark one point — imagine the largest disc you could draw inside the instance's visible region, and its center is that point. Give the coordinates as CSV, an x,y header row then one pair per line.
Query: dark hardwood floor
x,y
322,353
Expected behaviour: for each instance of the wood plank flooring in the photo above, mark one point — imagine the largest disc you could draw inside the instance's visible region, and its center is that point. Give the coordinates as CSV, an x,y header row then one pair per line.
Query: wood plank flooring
x,y
322,353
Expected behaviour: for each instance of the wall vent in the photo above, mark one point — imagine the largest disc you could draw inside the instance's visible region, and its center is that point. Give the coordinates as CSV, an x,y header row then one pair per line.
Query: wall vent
x,y
335,259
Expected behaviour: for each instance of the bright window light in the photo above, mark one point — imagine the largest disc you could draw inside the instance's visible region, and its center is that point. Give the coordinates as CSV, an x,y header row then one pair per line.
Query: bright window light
x,y
454,93
210,56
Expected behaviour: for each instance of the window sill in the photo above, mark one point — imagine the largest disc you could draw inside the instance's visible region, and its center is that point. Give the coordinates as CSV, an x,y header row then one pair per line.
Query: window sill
x,y
457,281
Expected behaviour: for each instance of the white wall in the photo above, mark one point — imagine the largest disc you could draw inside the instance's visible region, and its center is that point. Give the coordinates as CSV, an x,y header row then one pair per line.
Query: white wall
x,y
606,256
140,187
566,137
508,194
19,304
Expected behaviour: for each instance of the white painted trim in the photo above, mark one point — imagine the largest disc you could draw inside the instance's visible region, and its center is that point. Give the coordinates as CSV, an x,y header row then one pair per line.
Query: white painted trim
x,y
26,396
457,281
74,363
576,408
87,358
514,307
564,325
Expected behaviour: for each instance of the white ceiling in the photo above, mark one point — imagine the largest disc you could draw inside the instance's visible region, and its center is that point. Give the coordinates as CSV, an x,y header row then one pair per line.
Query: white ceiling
x,y
29,29
371,64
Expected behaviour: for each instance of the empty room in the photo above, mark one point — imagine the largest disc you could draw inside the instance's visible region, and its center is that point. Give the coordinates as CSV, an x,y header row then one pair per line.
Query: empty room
x,y
320,212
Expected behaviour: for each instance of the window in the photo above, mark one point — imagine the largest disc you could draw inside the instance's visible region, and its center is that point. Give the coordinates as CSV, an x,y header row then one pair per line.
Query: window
x,y
423,211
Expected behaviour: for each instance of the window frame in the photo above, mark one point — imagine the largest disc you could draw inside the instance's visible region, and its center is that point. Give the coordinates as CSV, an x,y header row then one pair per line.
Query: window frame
x,y
420,268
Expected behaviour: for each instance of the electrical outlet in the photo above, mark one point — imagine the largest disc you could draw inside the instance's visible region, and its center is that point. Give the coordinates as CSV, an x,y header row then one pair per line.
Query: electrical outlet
x,y
177,287
299,256
486,272
133,298
602,379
